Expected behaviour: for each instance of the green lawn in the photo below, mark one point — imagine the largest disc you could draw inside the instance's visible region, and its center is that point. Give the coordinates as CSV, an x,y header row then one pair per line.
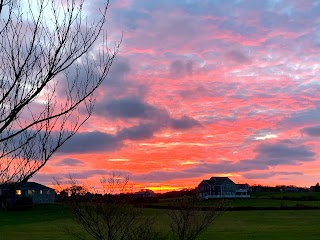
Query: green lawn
x,y
260,202
42,222
50,222
281,195
274,200
292,224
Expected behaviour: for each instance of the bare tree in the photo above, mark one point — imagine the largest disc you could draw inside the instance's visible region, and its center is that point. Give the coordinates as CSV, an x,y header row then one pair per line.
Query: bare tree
x,y
188,220
145,229
109,218
48,75
115,183
105,220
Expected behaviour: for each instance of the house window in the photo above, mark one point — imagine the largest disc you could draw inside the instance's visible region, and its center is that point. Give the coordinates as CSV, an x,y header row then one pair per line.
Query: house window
x,y
40,192
30,192
18,192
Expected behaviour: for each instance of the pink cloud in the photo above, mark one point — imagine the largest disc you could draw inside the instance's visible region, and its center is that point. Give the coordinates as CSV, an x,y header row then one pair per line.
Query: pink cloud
x,y
248,77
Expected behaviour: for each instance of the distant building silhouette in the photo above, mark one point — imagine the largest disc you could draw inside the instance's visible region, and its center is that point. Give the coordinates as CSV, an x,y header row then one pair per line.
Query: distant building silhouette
x,y
222,187
39,193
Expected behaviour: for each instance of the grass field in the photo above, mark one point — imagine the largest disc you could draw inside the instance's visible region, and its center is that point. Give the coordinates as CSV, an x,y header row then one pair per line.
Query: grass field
x,y
49,222
266,225
290,195
267,200
42,222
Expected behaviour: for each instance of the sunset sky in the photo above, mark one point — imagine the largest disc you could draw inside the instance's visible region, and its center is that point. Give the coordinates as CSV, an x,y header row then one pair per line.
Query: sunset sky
x,y
203,88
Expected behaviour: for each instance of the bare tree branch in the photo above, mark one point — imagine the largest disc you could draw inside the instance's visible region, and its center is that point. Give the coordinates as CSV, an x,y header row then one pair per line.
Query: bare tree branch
x,y
48,75
188,220
108,218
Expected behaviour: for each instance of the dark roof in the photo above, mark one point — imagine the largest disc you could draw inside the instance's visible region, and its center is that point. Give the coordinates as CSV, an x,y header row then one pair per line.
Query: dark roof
x,y
33,185
27,185
217,181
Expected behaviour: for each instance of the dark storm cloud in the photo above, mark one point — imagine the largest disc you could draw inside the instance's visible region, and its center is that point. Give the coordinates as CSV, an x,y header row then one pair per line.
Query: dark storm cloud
x,y
302,117
120,96
91,142
69,162
134,108
81,142
283,152
130,107
118,73
138,132
184,122
118,84
225,167
85,142
152,119
263,175
313,131
147,130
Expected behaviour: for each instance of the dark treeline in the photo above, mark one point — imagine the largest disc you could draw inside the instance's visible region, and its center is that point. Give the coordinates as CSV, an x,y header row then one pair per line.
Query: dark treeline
x,y
148,196
82,194
284,188
180,193
145,195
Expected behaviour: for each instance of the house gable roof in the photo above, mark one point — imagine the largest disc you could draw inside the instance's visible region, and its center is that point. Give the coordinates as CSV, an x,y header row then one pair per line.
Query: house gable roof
x,y
218,181
205,181
34,185
27,185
